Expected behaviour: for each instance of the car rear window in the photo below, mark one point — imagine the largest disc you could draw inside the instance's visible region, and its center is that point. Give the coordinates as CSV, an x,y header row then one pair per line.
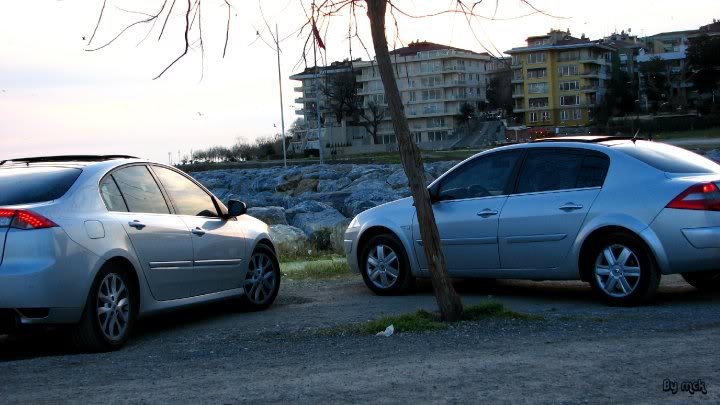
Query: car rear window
x,y
668,158
27,185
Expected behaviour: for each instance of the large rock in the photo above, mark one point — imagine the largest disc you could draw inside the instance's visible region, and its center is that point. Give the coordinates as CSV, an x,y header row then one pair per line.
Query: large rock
x,y
319,226
362,200
269,215
306,185
290,241
337,236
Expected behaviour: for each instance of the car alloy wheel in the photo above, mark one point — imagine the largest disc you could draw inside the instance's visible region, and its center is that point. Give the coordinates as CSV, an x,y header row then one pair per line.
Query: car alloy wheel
x,y
260,279
617,270
113,307
382,266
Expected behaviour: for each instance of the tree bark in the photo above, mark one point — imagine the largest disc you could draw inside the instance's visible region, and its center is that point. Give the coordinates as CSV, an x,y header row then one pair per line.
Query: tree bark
x,y
451,308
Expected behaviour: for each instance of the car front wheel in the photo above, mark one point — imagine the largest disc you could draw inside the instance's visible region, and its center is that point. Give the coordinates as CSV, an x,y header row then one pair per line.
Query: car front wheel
x,y
623,270
262,280
385,267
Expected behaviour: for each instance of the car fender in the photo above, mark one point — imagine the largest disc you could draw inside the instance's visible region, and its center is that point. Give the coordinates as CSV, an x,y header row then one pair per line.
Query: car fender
x,y
621,220
402,232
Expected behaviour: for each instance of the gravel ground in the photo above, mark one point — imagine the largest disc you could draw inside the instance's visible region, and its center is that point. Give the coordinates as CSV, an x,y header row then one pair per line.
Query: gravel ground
x,y
582,352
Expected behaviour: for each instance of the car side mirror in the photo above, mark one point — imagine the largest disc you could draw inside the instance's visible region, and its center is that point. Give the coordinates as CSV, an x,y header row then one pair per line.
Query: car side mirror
x,y
434,194
236,208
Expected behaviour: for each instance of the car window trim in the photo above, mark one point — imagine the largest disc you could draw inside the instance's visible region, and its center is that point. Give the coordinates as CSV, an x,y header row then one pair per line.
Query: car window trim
x,y
218,211
508,186
584,152
162,192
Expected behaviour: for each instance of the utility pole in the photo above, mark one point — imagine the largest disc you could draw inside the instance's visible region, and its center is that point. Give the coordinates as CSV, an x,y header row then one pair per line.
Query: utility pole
x,y
282,114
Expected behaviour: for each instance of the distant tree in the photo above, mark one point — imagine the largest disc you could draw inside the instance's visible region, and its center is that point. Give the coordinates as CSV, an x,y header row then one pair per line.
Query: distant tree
x,y
657,85
499,91
465,113
341,95
371,117
703,58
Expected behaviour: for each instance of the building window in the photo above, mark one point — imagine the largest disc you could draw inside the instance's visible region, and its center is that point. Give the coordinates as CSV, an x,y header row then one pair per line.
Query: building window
x,y
432,81
533,117
566,56
436,122
569,70
570,100
517,60
564,115
538,102
577,114
411,96
418,137
536,57
432,94
437,136
546,116
536,73
388,139
537,88
567,86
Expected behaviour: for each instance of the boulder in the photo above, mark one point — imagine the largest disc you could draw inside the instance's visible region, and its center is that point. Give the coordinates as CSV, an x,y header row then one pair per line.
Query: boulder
x,y
337,236
306,185
270,215
362,200
289,241
306,206
319,226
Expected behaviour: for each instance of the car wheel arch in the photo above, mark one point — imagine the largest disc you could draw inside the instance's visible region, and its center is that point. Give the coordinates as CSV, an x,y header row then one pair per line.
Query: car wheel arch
x,y
592,238
376,230
131,271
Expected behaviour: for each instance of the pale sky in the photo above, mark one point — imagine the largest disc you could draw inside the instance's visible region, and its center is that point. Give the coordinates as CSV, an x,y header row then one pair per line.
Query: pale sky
x,y
57,98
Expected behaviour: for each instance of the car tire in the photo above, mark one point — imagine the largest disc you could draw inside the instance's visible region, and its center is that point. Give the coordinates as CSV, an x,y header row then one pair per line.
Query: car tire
x,y
385,267
704,280
262,280
621,269
110,312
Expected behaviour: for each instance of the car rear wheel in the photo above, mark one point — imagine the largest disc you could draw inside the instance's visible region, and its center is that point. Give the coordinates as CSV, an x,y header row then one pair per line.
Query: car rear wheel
x,y
262,280
384,266
623,272
704,280
110,312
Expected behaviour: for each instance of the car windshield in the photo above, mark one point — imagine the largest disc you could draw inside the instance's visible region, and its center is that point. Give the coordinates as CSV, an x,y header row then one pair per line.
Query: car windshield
x,y
29,185
668,158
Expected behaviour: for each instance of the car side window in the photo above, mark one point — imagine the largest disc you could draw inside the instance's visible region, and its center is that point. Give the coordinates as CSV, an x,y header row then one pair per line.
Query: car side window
x,y
482,177
114,200
188,198
550,170
593,170
140,190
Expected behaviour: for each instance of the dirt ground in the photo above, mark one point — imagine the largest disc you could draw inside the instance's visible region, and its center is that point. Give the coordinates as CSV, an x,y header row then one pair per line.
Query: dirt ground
x,y
582,351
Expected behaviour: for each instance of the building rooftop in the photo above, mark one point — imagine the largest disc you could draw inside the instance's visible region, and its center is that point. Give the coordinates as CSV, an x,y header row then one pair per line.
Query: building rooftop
x,y
424,46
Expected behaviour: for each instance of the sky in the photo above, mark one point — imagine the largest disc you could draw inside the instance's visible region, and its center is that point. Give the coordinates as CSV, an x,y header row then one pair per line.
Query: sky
x,y
57,97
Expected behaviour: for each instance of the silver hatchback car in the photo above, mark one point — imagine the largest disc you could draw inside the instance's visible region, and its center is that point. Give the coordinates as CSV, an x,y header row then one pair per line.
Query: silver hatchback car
x,y
99,241
617,213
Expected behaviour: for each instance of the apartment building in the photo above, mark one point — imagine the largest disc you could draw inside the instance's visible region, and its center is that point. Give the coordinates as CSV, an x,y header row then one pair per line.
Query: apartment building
x,y
434,81
558,80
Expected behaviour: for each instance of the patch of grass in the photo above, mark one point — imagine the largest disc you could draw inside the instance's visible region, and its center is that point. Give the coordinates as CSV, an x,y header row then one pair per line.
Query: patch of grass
x,y
316,270
494,309
315,256
425,321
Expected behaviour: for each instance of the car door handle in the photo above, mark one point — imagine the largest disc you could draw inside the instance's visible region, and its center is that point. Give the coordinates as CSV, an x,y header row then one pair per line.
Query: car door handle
x,y
487,213
136,224
567,207
197,231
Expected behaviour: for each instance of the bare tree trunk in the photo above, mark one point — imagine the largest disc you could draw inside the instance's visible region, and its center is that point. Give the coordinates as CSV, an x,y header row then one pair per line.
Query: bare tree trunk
x,y
448,300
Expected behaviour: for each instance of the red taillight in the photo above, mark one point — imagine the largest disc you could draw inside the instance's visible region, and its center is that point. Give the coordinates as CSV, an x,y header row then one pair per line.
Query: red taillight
x,y
24,219
704,196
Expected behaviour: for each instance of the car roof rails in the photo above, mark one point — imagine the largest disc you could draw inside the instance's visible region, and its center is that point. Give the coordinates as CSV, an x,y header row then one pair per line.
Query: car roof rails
x,y
67,158
588,139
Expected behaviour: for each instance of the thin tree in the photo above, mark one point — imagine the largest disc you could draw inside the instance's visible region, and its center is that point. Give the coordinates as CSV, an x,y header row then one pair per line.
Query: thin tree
x,y
370,118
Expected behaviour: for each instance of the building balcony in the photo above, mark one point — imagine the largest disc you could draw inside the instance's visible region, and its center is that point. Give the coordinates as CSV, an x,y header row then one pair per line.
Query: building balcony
x,y
298,89
517,80
300,112
598,61
518,95
303,100
516,66
589,89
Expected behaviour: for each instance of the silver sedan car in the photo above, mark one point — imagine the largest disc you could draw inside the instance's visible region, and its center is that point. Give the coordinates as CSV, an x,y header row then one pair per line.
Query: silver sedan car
x,y
98,241
617,213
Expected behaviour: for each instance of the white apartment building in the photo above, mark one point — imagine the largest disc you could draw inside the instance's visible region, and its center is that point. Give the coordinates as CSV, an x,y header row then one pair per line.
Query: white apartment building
x,y
434,81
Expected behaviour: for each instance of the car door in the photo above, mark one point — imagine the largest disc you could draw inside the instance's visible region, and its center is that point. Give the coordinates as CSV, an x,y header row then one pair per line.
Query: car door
x,y
218,243
471,199
161,240
555,189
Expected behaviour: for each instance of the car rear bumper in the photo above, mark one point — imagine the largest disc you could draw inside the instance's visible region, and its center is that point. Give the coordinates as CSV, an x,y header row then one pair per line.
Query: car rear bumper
x,y
45,276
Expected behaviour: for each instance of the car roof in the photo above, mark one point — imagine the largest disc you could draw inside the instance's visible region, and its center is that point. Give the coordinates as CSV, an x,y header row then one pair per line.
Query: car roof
x,y
75,159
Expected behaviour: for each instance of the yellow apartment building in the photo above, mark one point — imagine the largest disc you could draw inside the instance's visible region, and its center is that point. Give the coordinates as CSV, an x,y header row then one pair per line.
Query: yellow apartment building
x,y
558,79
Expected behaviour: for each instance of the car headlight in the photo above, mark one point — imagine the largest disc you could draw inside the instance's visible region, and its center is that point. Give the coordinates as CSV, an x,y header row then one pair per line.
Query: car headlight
x,y
354,223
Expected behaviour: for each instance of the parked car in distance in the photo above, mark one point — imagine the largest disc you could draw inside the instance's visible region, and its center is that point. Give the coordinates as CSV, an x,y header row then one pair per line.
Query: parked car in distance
x,y
96,242
617,213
